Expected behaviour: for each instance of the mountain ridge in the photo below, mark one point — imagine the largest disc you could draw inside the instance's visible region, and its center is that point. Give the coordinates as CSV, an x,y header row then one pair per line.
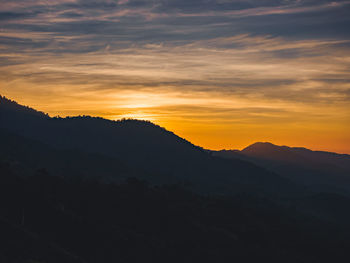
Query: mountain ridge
x,y
301,165
253,145
165,156
93,190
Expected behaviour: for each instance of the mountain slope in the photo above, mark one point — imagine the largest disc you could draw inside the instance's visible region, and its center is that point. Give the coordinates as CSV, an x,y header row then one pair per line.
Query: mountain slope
x,y
28,156
52,219
322,170
143,145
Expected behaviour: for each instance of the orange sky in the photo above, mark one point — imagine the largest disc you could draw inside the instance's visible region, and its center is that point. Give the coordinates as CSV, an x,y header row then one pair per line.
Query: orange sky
x,y
216,122
221,74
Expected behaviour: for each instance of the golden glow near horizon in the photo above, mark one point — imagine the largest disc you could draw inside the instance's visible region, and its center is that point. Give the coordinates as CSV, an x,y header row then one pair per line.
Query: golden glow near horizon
x,y
218,91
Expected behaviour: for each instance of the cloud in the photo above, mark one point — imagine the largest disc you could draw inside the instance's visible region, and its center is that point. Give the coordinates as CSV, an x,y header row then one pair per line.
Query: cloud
x,y
245,66
205,61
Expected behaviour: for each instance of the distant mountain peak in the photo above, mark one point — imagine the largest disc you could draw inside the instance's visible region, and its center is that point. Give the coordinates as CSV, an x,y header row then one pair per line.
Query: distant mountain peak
x,y
267,150
262,147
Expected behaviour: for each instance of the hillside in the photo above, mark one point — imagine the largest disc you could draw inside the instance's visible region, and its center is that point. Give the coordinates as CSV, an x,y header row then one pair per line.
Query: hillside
x,y
143,146
52,219
84,189
324,171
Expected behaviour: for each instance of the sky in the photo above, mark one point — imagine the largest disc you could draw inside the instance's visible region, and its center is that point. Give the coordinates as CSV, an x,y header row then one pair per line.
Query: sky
x,y
221,73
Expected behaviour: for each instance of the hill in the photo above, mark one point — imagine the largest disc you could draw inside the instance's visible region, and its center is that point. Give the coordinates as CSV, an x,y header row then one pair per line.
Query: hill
x,y
322,171
84,189
47,218
162,156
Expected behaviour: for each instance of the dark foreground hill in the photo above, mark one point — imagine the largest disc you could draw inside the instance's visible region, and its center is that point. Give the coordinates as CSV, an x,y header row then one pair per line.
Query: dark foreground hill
x,y
128,145
322,171
52,219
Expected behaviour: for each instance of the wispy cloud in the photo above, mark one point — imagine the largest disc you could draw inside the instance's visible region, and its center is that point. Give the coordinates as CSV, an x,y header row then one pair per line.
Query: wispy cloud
x,y
203,63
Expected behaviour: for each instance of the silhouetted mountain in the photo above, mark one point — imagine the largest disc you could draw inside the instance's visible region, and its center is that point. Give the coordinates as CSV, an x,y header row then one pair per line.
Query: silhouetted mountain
x,y
85,189
165,157
317,169
11,106
27,156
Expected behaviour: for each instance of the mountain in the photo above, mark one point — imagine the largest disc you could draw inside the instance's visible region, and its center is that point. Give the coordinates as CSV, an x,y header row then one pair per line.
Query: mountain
x,y
319,170
155,153
27,156
84,189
